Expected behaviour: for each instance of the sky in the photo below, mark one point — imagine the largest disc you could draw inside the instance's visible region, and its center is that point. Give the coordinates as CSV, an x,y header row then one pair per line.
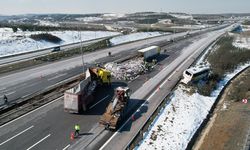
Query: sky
x,y
10,7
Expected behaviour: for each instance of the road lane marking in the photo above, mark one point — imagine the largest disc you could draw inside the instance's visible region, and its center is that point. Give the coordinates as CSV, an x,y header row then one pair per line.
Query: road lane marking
x,y
58,76
10,93
66,147
38,142
98,102
31,112
16,135
2,89
155,91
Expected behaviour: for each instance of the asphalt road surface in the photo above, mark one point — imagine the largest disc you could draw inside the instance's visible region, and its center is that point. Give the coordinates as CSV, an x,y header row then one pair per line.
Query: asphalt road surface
x,y
49,127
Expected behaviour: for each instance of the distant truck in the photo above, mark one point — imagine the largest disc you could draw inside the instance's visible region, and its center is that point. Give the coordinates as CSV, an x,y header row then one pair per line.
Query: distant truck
x,y
149,52
78,98
114,113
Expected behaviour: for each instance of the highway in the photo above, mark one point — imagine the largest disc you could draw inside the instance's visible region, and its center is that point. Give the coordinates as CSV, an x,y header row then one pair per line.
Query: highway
x,y
49,127
52,120
164,81
20,84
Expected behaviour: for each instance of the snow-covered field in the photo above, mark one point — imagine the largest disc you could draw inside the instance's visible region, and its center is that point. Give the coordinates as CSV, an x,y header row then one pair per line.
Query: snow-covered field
x,y
47,23
13,43
20,42
133,37
89,19
182,16
241,41
174,127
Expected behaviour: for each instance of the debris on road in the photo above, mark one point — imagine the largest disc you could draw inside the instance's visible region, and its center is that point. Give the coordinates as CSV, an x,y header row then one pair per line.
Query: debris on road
x,y
130,69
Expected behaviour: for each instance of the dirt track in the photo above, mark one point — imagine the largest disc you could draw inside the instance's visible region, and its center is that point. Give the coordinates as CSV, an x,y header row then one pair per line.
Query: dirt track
x,y
228,127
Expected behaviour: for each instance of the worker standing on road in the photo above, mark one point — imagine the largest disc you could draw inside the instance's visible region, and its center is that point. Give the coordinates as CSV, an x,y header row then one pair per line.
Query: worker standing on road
x,y
77,129
5,99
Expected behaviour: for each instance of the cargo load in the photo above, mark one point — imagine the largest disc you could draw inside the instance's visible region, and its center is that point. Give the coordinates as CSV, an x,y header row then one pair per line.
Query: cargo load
x,y
114,113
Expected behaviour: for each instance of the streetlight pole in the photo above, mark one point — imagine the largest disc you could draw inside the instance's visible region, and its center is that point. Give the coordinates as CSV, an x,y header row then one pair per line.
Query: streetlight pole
x,y
83,69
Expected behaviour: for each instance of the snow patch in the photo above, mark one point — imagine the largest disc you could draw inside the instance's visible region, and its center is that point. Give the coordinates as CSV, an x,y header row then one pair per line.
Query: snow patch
x,y
174,127
89,19
242,42
19,42
133,37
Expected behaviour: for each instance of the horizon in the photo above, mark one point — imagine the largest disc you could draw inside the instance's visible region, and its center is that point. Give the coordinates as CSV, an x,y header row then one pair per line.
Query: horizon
x,y
233,13
23,7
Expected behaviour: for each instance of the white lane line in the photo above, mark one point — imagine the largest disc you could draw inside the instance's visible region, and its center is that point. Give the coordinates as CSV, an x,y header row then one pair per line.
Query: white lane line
x,y
16,135
10,93
105,144
30,112
66,147
1,89
38,142
58,76
99,102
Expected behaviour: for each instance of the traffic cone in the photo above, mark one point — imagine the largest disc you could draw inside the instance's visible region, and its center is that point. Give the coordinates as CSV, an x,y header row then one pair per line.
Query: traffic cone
x,y
72,136
159,88
133,117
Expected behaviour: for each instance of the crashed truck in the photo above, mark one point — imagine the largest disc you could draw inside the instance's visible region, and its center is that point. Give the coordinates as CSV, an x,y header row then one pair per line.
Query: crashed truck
x,y
78,98
114,113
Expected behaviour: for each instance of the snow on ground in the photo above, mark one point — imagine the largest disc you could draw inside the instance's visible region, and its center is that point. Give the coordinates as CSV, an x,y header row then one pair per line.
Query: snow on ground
x,y
245,27
242,42
89,19
192,27
47,23
133,37
182,16
19,42
119,15
178,121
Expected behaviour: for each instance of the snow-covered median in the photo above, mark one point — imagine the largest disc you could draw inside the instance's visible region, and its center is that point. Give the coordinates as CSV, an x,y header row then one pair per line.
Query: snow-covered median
x,y
178,121
19,42
133,37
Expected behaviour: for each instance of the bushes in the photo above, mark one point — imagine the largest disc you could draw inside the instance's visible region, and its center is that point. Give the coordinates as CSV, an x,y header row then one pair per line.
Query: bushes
x,y
46,37
226,58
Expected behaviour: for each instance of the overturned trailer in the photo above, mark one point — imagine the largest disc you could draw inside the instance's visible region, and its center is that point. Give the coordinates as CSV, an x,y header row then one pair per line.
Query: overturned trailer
x,y
78,98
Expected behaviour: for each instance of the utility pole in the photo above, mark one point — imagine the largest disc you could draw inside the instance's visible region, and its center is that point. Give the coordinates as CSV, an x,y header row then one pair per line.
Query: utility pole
x,y
83,69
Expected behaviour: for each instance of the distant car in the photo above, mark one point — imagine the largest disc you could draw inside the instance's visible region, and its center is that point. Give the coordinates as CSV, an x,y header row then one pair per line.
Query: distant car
x,y
56,49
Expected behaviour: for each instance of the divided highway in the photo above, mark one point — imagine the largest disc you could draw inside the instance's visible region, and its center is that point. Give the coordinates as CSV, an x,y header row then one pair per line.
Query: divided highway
x,y
49,127
21,84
